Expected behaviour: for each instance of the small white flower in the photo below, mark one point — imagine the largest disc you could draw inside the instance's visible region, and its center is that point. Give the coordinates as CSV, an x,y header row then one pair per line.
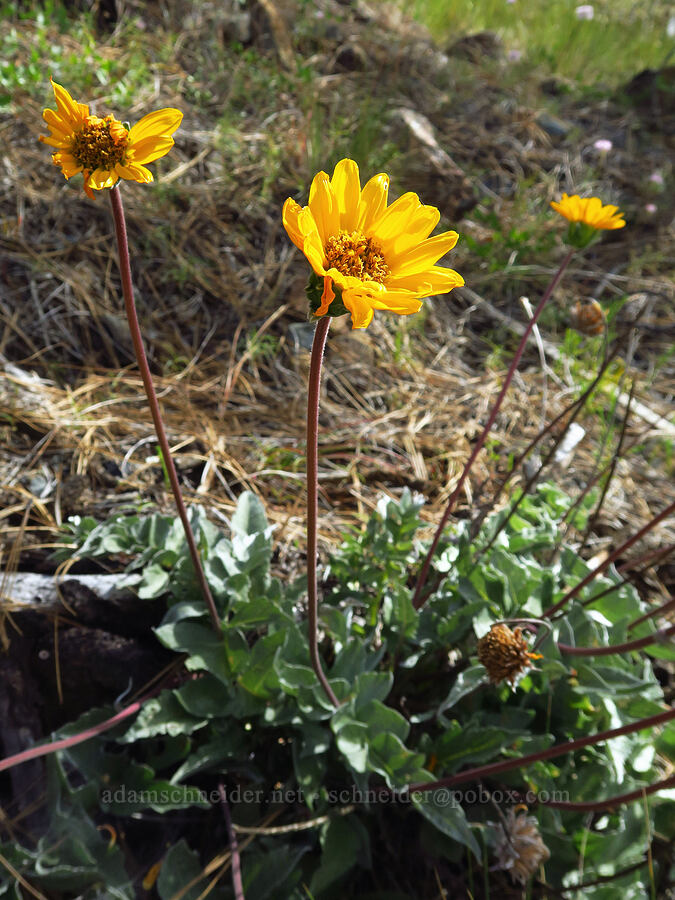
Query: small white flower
x,y
514,55
603,145
656,178
585,12
650,208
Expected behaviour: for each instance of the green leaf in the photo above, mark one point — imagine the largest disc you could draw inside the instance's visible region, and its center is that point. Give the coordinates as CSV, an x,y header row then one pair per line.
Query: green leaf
x,y
180,868
442,808
249,517
465,683
161,715
345,843
204,696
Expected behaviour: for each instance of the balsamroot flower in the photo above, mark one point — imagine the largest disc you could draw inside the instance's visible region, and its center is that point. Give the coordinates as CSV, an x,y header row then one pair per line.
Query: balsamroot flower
x,y
103,149
366,255
586,217
590,211
520,849
504,653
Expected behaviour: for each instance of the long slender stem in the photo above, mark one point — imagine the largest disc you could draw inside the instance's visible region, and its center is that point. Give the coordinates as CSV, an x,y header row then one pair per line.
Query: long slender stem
x,y
134,328
611,802
64,743
608,561
237,882
637,644
550,753
418,600
313,391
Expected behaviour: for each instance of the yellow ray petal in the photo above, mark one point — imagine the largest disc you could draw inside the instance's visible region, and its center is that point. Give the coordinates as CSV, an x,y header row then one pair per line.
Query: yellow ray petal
x,y
435,280
324,207
423,255
161,123
373,201
72,112
289,217
132,171
150,149
347,190
359,307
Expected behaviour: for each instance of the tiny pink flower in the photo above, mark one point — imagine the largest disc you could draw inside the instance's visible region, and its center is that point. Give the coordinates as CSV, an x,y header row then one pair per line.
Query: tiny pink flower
x,y
656,178
650,208
514,55
603,145
585,12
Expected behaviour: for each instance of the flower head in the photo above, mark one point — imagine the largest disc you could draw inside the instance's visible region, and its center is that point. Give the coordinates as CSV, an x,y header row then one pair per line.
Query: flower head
x,y
602,145
102,148
585,11
586,217
364,254
504,653
520,849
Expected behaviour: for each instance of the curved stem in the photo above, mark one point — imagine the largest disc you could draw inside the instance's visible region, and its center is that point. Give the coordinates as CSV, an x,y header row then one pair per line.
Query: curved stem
x,y
313,390
137,340
609,560
550,753
637,644
600,805
418,600
73,739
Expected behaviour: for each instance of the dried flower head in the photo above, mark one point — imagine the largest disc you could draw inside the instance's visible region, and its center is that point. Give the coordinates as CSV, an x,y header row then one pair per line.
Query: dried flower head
x,y
366,255
505,654
103,149
588,318
520,849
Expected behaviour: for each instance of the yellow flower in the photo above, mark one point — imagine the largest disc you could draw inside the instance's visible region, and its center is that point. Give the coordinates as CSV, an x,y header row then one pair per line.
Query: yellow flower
x,y
103,149
373,255
589,211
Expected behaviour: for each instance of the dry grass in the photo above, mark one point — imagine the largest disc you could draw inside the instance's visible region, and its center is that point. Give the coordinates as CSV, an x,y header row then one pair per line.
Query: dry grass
x,y
220,289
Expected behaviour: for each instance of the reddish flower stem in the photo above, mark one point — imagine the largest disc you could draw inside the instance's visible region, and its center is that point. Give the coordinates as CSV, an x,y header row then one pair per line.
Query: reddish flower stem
x,y
637,644
507,765
418,599
659,610
313,392
65,743
137,340
586,806
237,882
607,562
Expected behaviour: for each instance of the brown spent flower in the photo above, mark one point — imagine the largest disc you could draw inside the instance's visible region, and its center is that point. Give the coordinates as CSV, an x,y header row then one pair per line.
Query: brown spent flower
x,y
520,849
504,654
588,318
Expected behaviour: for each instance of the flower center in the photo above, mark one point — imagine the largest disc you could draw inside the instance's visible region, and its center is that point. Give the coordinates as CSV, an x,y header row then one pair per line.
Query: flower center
x,y
352,253
101,144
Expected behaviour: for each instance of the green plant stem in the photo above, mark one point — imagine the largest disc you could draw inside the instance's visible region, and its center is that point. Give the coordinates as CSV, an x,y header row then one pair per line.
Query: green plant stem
x,y
550,753
313,391
418,599
137,340
627,647
608,561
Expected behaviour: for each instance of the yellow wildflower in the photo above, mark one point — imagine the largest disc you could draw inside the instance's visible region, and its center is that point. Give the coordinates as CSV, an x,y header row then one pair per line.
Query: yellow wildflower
x,y
590,211
102,148
366,255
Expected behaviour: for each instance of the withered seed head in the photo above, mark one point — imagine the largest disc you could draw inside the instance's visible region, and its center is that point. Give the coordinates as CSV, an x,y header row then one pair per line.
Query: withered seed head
x,y
520,849
504,654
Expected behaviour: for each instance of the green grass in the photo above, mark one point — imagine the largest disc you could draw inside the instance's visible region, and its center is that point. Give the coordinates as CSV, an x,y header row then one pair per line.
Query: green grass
x,y
623,38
